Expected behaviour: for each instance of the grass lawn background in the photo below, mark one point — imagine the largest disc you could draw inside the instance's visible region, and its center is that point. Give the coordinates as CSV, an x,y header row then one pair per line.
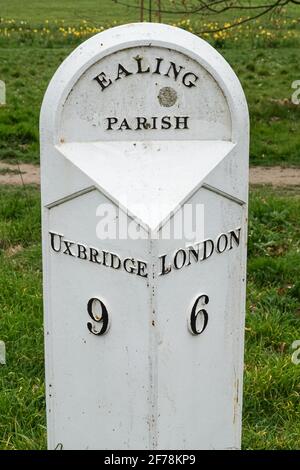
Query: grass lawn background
x,y
266,59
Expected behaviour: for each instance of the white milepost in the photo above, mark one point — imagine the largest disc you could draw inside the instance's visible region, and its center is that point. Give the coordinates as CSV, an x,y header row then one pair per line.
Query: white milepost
x,y
2,353
144,155
2,93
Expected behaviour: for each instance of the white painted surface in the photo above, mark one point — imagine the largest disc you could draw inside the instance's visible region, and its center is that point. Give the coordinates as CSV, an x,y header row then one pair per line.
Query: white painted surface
x,y
151,170
204,103
96,381
199,378
148,382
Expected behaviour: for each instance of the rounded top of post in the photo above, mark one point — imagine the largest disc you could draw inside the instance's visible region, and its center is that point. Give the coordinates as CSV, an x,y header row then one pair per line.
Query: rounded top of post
x,y
176,42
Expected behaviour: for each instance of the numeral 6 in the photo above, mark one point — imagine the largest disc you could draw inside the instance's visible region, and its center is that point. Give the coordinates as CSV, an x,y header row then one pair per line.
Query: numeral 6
x,y
198,318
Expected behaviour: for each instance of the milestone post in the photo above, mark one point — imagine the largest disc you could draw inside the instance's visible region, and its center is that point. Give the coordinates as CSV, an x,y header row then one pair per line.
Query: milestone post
x,y
144,163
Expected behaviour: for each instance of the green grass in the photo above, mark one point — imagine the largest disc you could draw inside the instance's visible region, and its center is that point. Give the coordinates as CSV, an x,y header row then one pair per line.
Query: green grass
x,y
95,11
272,385
26,76
36,11
22,415
271,382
